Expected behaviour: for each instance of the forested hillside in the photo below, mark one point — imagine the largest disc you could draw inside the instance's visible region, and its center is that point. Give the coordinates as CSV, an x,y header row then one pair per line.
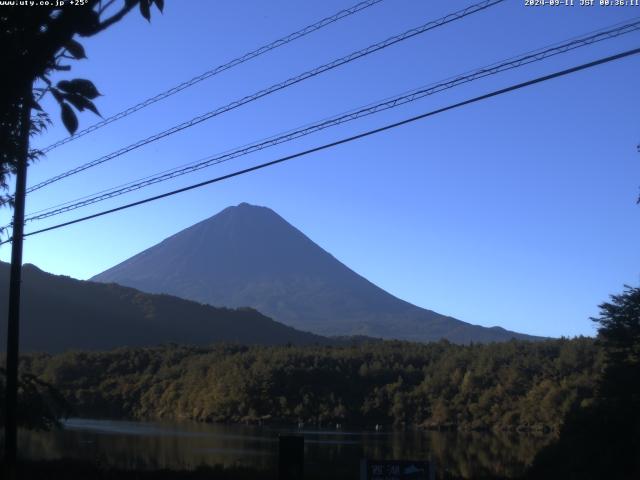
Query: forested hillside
x,y
61,313
511,385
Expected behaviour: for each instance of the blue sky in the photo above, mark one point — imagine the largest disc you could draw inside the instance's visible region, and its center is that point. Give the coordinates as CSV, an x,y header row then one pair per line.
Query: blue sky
x,y
518,211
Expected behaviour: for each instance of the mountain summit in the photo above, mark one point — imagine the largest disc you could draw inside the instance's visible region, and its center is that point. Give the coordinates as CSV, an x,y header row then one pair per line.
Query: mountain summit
x,y
250,256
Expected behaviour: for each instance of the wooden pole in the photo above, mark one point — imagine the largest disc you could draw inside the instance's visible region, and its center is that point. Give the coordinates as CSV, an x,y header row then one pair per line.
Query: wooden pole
x,y
15,282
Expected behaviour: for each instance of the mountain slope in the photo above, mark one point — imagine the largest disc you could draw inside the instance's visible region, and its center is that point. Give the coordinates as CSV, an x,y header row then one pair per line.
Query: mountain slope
x,y
60,313
250,256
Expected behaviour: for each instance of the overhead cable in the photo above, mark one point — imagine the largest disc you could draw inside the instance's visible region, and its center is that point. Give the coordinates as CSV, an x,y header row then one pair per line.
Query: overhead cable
x,y
475,8
368,133
219,69
495,68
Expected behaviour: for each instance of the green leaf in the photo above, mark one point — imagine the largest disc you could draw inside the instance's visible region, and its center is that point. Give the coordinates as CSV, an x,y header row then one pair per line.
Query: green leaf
x,y
81,103
36,106
144,9
75,49
57,94
88,23
69,118
64,85
86,88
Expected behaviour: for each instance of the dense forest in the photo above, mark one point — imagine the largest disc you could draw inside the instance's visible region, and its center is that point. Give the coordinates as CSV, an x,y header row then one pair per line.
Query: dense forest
x,y
602,440
586,390
502,386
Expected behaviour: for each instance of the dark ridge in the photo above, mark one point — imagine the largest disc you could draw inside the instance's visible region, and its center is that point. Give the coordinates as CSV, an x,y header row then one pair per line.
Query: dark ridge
x,y
61,313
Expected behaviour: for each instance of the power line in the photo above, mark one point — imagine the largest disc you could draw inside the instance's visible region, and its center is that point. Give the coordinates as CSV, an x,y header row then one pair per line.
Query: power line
x,y
495,68
219,69
588,38
368,133
276,87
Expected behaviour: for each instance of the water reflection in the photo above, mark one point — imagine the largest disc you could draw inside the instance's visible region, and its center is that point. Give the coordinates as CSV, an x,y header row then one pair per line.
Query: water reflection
x,y
154,445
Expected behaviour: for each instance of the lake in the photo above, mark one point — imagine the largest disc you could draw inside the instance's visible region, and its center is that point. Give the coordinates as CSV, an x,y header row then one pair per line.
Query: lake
x,y
187,445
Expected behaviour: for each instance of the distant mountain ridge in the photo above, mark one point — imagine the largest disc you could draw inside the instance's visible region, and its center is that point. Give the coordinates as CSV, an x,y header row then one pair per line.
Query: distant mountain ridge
x,y
60,313
250,256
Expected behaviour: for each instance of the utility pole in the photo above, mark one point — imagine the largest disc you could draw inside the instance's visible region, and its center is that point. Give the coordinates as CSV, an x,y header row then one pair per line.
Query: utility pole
x,y
15,281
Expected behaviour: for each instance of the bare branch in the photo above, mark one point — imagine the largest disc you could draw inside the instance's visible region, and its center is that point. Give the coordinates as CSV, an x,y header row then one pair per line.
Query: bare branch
x,y
104,7
114,18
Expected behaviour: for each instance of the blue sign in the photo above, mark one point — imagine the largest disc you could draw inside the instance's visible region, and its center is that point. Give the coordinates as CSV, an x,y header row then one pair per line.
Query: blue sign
x,y
396,470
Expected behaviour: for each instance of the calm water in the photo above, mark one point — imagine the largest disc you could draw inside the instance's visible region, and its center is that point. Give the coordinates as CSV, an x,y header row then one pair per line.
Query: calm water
x,y
153,445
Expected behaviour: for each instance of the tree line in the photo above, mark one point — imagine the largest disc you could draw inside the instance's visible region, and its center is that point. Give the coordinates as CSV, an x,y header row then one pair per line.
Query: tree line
x,y
515,385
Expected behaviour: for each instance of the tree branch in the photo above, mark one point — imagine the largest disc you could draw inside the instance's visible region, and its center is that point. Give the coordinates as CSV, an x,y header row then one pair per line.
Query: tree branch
x,y
102,8
114,18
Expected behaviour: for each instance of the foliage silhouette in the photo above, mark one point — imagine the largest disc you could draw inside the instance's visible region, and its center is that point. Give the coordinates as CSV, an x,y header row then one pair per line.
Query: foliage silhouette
x,y
40,405
601,439
37,42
